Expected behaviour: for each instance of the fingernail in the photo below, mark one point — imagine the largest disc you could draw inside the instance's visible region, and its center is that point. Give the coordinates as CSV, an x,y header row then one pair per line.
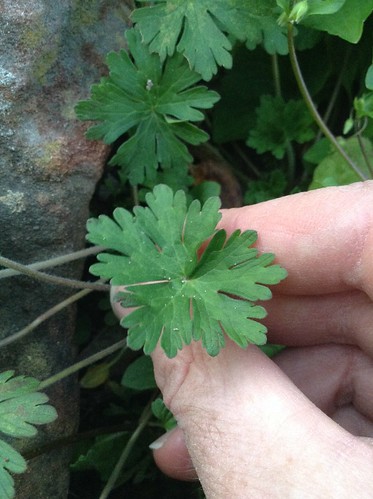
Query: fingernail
x,y
157,444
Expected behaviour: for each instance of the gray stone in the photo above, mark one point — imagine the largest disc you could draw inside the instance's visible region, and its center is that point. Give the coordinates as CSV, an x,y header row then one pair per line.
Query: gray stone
x,y
50,54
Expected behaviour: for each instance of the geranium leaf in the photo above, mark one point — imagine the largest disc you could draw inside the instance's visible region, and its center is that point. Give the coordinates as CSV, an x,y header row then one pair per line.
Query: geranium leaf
x,y
178,296
154,102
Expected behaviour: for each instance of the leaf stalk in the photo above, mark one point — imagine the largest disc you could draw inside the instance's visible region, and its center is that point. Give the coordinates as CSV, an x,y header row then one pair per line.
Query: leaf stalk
x,y
311,106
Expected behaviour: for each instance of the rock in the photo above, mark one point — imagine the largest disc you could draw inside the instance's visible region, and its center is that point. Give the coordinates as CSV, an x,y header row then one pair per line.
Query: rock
x,y
50,54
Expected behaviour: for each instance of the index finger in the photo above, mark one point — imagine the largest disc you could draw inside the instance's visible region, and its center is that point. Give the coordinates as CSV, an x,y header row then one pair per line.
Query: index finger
x,y
324,238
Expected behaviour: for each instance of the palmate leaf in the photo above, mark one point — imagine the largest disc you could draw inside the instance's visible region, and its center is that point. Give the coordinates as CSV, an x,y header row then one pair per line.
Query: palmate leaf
x,y
21,406
200,29
154,102
179,297
278,123
11,461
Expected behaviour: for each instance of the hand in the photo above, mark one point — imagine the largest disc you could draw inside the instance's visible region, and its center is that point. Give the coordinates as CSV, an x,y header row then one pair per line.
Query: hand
x,y
299,425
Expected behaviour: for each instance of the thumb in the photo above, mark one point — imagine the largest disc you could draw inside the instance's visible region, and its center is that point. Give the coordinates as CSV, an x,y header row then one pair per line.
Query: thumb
x,y
249,430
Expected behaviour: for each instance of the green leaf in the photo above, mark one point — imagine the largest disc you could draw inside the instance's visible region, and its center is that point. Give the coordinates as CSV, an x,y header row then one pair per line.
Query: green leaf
x,y
139,375
102,455
364,106
163,414
21,407
323,7
369,78
95,376
271,185
178,296
347,22
200,30
11,461
305,8
278,123
333,170
154,103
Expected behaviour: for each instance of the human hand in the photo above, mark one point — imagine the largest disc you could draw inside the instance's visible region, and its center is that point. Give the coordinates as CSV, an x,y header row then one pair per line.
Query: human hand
x,y
299,425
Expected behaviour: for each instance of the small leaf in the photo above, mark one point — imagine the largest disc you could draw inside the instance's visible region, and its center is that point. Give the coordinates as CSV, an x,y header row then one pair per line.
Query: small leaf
x,y
364,106
333,170
163,414
103,455
95,376
18,415
200,30
155,103
140,375
323,7
10,461
347,22
278,123
21,406
369,78
13,387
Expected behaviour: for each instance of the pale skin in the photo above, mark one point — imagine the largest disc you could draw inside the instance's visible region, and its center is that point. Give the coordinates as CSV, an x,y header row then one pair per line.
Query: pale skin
x,y
300,425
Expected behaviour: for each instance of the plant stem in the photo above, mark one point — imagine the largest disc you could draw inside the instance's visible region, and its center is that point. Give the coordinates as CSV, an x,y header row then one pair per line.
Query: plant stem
x,y
365,155
53,279
246,160
135,195
311,106
83,363
335,92
289,147
43,317
144,418
53,262
276,75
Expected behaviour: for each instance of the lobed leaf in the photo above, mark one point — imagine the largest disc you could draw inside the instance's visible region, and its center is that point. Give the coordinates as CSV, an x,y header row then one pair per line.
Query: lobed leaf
x,y
278,123
11,461
202,30
178,296
154,103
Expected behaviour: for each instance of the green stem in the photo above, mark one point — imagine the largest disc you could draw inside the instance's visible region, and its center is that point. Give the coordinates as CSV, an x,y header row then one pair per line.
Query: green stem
x,y
311,106
83,363
43,317
135,195
53,262
276,75
144,418
53,279
289,147
365,155
246,160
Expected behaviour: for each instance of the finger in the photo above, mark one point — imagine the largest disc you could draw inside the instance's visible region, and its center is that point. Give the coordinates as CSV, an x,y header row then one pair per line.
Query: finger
x,y
242,417
337,379
324,238
344,318
172,457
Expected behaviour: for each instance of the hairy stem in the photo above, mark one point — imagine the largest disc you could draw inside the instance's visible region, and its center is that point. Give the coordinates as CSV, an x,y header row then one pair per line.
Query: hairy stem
x,y
83,363
143,421
43,317
53,262
52,279
311,106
